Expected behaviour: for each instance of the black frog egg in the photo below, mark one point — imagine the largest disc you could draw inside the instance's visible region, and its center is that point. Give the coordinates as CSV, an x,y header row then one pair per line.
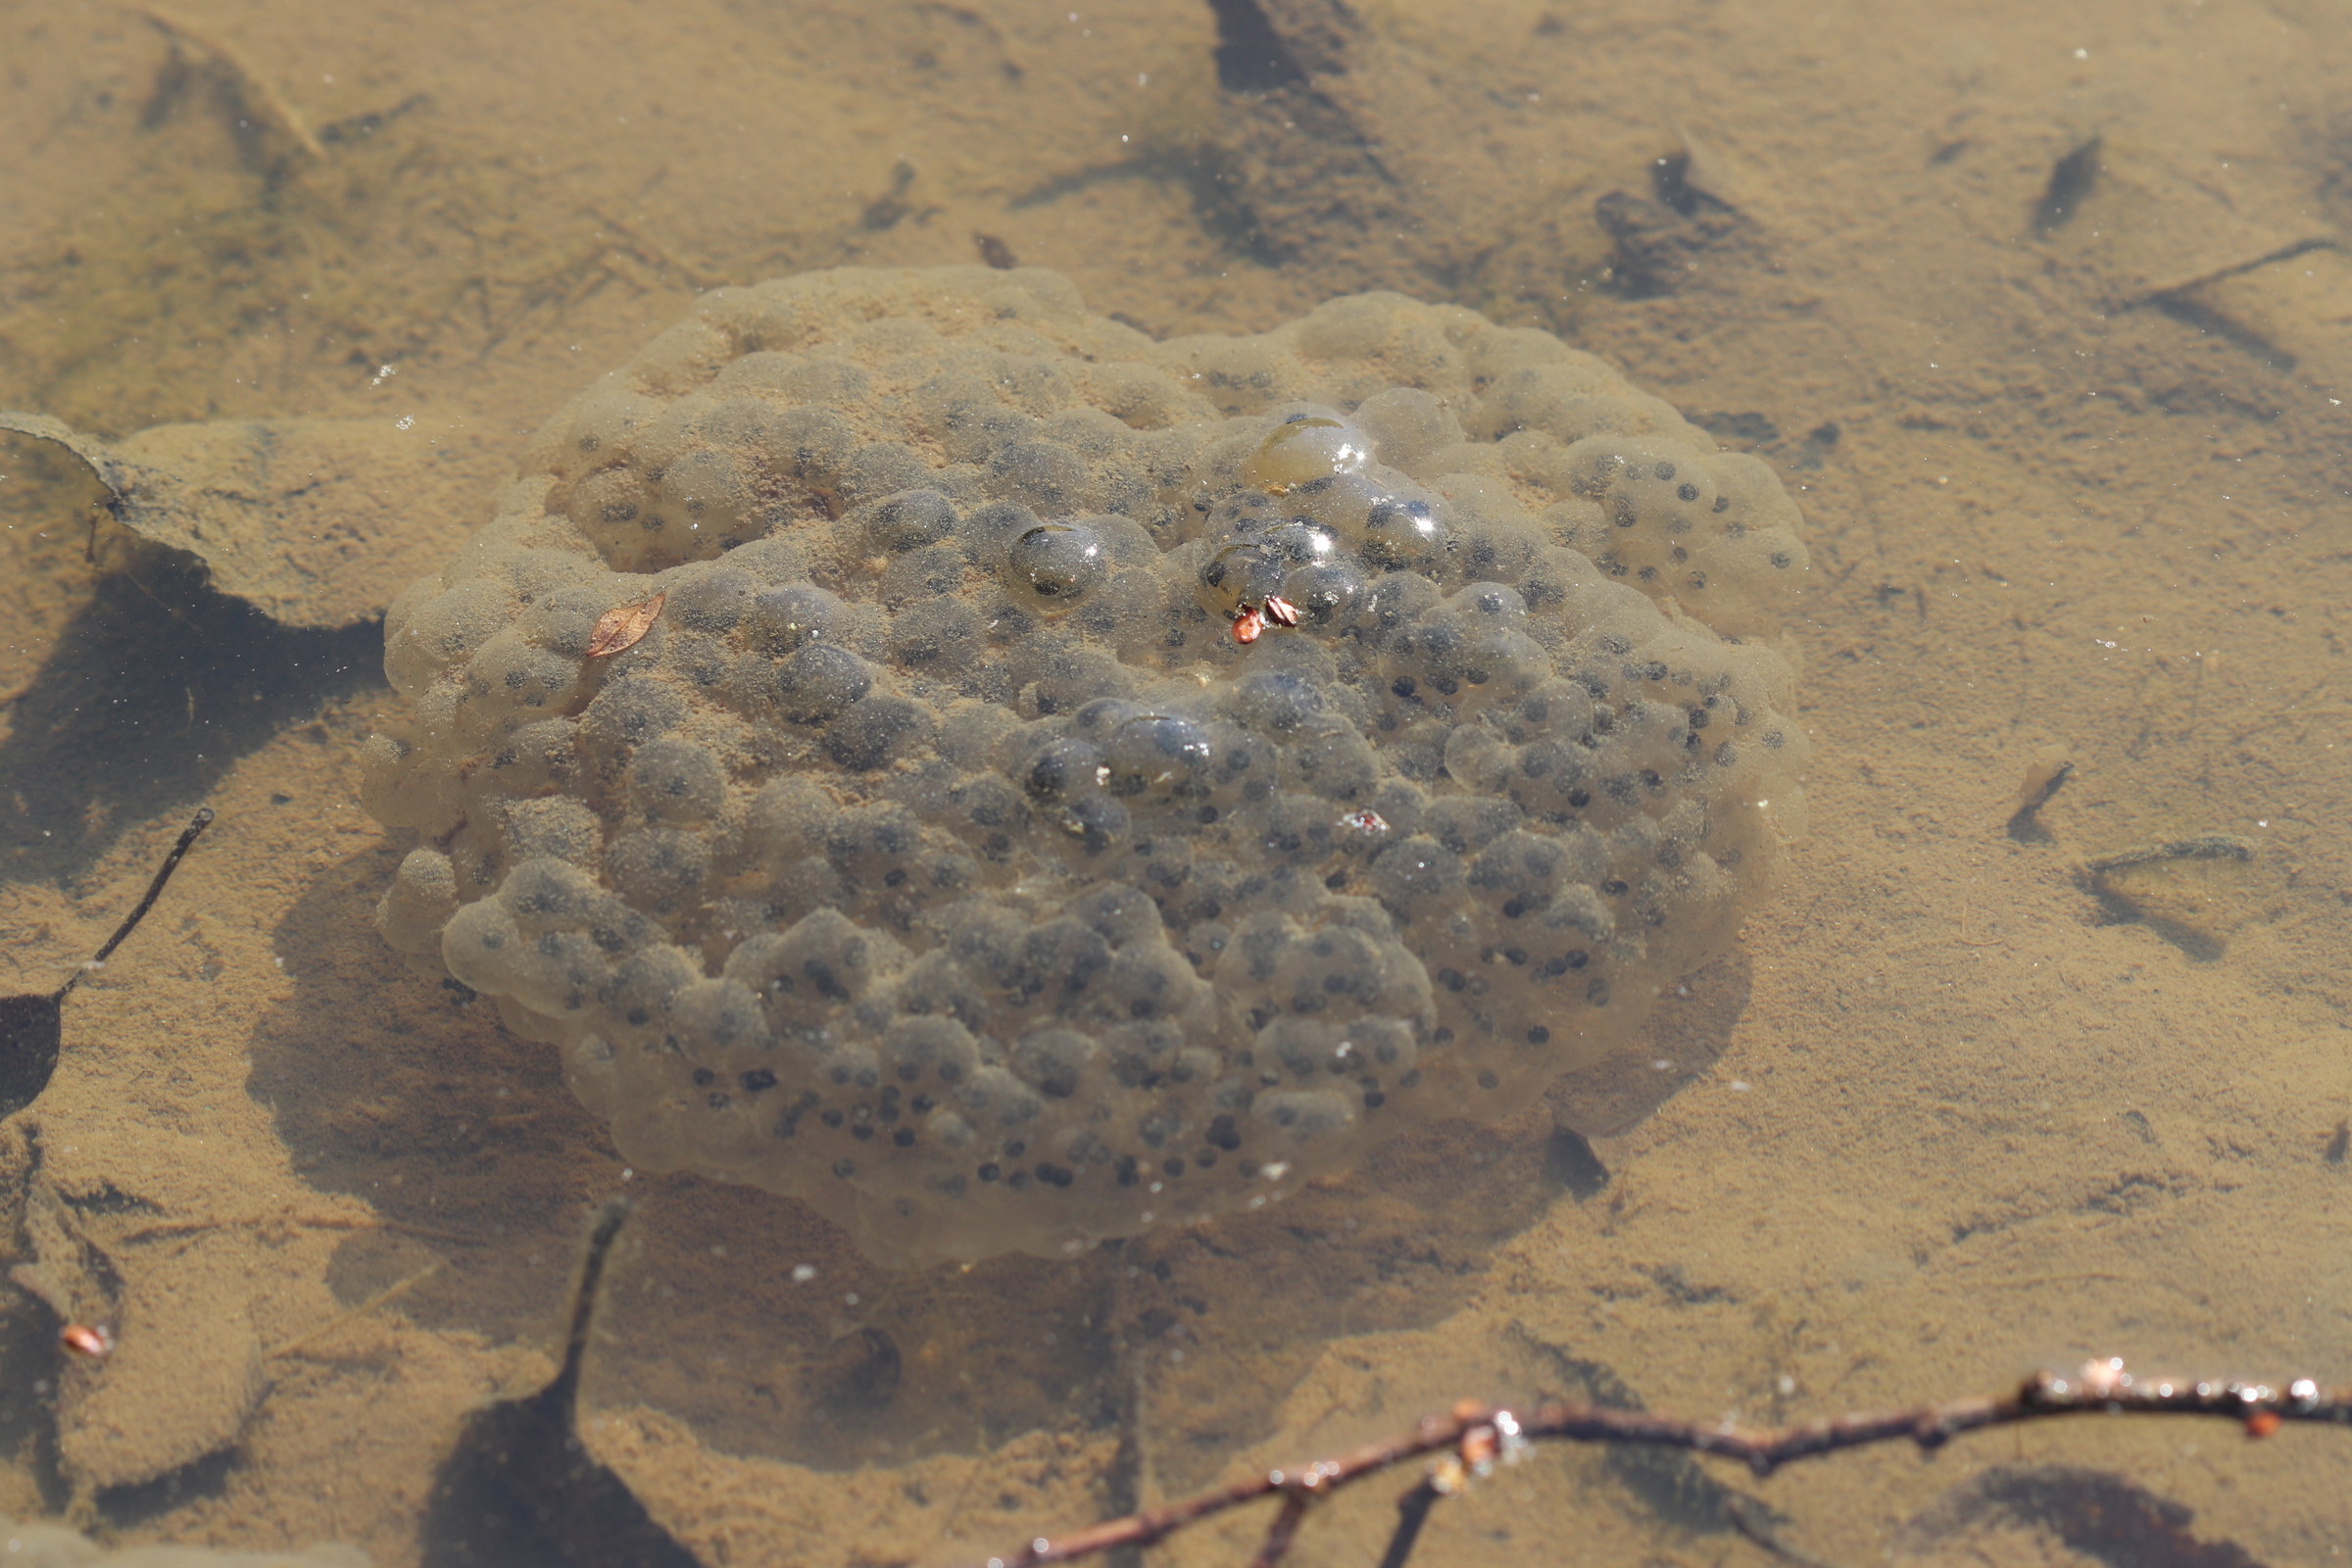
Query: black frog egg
x,y
1644,484
783,618
658,869
911,519
713,600
808,446
1044,475
705,491
1052,566
820,681
1339,503
1303,448
1239,577
1302,542
674,780
1325,595
1064,769
1157,754
1490,603
1403,531
615,509
878,470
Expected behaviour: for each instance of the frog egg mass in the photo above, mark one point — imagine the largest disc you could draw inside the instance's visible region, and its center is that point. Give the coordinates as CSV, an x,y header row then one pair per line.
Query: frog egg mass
x,y
944,858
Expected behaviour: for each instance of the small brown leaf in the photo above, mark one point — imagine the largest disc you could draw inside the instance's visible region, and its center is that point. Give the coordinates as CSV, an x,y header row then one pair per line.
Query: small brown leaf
x,y
623,627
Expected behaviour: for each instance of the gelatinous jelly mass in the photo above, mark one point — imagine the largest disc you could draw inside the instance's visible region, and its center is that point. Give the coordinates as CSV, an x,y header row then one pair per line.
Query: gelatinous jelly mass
x,y
939,858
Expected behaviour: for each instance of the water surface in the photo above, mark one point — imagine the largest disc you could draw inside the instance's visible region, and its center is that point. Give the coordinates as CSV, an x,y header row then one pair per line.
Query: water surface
x,y
2032,309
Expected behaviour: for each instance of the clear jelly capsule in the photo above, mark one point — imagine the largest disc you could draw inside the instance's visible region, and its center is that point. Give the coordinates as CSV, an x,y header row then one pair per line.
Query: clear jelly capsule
x,y
1303,448
1053,565
1242,577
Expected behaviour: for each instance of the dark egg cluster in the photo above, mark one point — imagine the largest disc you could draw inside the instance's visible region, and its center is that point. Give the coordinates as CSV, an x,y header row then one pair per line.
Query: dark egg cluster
x,y
1068,781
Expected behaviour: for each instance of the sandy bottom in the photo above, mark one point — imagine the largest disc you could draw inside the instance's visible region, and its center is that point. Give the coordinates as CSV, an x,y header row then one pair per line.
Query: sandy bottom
x,y
2016,305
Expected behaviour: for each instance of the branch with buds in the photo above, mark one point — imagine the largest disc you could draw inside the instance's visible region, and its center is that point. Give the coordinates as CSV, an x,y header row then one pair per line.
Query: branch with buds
x,y
1473,1438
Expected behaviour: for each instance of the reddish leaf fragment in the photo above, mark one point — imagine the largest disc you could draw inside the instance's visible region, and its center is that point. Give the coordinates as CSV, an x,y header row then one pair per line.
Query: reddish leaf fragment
x,y
623,627
91,1344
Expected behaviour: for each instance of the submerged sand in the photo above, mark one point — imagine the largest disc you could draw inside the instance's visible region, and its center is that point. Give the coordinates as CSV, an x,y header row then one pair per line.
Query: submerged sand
x,y
2069,452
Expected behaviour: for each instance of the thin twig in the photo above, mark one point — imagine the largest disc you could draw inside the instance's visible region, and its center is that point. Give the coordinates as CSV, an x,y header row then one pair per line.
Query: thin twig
x,y
155,891
167,1229
391,1292
1473,1438
2204,847
264,99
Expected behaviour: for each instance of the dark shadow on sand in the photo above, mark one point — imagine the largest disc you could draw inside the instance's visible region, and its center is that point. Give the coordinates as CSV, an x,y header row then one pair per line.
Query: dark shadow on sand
x,y
759,1324
151,695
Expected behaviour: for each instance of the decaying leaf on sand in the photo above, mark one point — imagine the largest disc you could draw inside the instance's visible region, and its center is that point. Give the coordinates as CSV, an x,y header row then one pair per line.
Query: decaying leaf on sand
x,y
623,626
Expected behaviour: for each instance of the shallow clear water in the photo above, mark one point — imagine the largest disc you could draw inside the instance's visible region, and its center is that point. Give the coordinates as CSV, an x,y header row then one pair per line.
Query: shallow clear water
x,y
2034,310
